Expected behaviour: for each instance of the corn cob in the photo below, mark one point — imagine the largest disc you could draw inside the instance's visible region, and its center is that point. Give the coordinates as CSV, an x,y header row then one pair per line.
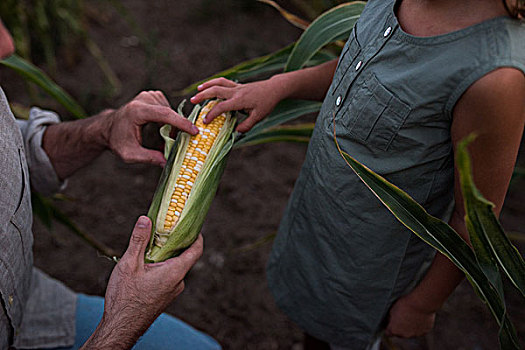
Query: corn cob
x,y
188,183
194,159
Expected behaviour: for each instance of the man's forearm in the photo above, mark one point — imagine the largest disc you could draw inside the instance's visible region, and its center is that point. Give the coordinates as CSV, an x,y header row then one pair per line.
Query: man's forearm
x,y
72,145
117,333
307,84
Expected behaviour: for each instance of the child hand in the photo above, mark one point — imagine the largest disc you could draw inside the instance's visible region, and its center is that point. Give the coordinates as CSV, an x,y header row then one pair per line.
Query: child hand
x,y
407,320
258,99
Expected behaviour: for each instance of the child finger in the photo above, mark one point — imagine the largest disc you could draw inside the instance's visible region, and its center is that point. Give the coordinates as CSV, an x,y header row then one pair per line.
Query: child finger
x,y
220,108
213,92
216,82
248,123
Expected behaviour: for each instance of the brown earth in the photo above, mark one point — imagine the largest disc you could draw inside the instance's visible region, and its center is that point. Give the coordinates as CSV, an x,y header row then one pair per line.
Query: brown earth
x,y
226,294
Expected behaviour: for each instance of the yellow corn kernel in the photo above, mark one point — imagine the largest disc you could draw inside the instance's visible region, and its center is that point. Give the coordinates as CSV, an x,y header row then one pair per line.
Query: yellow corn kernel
x,y
196,153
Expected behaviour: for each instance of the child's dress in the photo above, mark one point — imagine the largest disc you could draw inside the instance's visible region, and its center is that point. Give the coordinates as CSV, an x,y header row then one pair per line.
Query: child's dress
x,y
341,259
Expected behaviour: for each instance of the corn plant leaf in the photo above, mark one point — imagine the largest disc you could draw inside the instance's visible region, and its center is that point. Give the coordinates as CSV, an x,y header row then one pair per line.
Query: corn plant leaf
x,y
285,111
38,77
257,244
335,24
42,209
300,133
443,238
49,213
290,17
491,244
255,67
516,236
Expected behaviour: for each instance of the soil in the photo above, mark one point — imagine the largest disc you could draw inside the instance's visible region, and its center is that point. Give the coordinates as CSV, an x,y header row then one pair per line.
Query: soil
x,y
226,293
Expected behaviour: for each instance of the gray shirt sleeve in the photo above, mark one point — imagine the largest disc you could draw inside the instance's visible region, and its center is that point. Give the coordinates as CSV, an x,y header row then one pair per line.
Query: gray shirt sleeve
x,y
43,176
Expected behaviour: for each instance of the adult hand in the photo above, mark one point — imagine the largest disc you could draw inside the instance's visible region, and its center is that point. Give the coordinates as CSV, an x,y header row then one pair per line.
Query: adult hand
x,y
258,99
407,319
137,293
72,145
123,127
135,285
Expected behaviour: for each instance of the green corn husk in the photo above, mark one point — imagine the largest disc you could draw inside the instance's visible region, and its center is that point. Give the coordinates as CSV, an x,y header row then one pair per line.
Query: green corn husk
x,y
192,217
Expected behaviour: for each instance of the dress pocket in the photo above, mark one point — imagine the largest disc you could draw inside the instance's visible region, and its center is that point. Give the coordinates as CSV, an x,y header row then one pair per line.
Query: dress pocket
x,y
374,115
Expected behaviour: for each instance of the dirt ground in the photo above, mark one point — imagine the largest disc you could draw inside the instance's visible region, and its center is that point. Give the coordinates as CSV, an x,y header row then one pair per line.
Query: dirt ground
x,y
226,294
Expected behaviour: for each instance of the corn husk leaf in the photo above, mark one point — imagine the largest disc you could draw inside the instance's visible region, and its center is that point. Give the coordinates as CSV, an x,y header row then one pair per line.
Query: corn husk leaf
x,y
198,203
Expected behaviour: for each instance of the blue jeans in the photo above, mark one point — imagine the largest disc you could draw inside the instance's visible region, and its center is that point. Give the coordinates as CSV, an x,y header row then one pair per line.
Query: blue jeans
x,y
166,332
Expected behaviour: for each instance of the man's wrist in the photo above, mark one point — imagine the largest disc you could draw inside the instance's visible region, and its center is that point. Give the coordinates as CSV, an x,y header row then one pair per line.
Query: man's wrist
x,y
116,333
97,133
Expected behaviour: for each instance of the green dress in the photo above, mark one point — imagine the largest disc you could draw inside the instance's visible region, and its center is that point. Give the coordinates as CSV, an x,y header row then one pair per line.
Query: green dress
x,y
340,258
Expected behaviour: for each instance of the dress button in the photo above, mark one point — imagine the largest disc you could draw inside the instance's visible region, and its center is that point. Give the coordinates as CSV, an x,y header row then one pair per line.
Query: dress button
x,y
387,32
338,101
358,65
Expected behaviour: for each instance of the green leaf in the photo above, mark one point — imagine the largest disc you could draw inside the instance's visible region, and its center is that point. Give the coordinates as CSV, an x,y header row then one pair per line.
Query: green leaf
x,y
261,65
286,133
485,229
290,17
48,213
440,236
254,66
516,236
257,244
38,77
284,112
335,24
42,209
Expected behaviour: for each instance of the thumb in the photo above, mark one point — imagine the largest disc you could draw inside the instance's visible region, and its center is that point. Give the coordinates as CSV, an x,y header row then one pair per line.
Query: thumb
x,y
139,240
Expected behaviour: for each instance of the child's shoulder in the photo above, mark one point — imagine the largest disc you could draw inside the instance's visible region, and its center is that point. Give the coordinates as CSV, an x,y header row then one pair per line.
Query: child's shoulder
x,y
514,32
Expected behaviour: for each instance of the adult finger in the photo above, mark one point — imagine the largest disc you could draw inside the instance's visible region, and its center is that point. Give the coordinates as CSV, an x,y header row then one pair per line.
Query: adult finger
x,y
213,92
148,97
220,108
216,82
139,154
188,258
138,241
166,115
160,98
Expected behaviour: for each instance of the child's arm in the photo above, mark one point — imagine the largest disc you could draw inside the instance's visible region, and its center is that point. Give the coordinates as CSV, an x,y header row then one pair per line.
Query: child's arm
x,y
260,98
494,108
